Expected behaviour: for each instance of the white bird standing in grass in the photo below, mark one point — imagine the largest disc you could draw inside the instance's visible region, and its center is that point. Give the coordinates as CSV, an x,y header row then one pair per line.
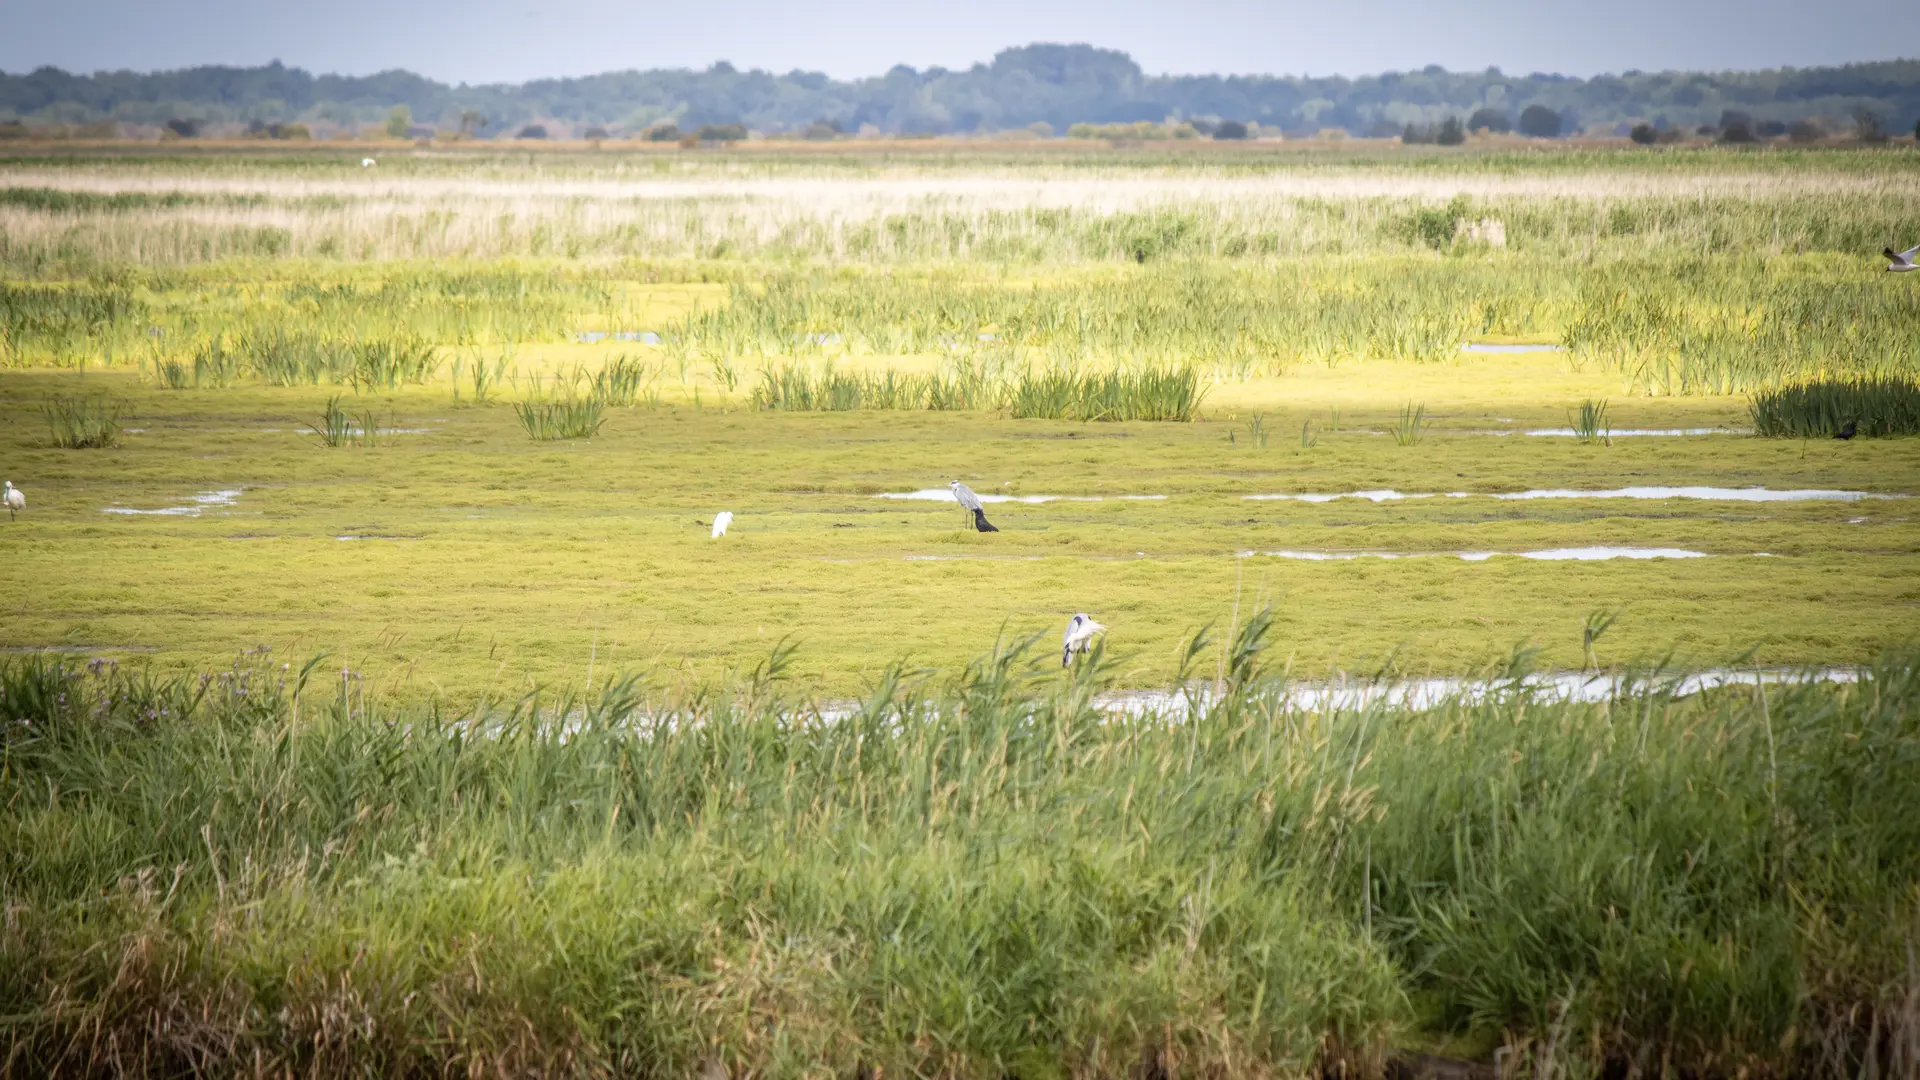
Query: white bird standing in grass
x,y
1080,631
1902,260
964,495
366,163
16,501
720,522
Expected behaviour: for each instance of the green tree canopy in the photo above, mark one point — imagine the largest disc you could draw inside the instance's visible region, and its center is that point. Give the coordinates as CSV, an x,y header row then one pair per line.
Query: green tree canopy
x,y
1058,85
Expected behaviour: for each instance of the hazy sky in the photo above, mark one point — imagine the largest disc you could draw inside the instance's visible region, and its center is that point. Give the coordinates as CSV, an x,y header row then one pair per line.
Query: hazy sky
x,y
515,40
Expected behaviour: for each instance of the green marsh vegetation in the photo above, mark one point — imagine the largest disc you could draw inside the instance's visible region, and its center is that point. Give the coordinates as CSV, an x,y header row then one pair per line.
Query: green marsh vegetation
x,y
505,551
1877,407
907,846
336,427
561,418
1589,422
1664,327
1412,427
85,422
974,874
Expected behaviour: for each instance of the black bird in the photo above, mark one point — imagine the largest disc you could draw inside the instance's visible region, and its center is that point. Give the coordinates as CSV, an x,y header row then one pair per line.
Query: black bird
x,y
964,495
1848,430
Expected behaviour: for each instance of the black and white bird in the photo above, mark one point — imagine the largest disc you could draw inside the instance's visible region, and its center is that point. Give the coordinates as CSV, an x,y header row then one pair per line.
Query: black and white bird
x,y
964,495
15,499
1079,635
1902,260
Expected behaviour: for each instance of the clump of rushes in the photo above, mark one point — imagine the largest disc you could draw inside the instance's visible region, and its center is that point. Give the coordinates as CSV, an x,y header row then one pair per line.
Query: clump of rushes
x,y
482,378
172,374
334,427
562,418
1148,394
619,382
1589,422
1875,407
215,365
388,365
85,422
796,388
1257,431
286,359
1412,426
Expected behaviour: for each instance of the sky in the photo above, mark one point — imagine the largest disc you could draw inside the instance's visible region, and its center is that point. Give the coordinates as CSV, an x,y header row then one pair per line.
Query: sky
x,y
516,40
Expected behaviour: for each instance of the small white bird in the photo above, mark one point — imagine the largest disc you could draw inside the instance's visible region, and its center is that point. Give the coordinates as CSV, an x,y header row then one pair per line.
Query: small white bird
x,y
720,522
16,501
1902,260
1080,631
366,163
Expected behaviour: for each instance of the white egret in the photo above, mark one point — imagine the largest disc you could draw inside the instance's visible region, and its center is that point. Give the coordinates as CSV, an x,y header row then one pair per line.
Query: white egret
x,y
366,163
720,522
964,495
16,501
1080,631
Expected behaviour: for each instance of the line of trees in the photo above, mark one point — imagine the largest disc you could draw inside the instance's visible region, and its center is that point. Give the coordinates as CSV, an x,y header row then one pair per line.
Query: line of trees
x,y
1054,85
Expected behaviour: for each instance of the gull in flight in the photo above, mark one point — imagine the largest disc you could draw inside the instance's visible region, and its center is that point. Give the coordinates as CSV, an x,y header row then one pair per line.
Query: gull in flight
x,y
1080,631
1902,260
720,522
964,495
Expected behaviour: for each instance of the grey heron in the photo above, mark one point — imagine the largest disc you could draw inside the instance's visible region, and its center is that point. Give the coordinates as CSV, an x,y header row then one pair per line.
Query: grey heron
x,y
1080,631
964,495
16,501
720,522
1902,260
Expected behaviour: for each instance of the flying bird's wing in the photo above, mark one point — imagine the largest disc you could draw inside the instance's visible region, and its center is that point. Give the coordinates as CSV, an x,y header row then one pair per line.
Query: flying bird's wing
x,y
1907,255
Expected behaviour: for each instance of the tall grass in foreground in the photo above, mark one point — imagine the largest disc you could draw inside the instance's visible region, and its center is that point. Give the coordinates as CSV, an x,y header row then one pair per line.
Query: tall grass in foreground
x,y
85,421
976,875
1877,407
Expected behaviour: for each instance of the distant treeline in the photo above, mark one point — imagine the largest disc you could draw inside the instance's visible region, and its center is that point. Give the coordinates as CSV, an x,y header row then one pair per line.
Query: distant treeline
x,y
1055,85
